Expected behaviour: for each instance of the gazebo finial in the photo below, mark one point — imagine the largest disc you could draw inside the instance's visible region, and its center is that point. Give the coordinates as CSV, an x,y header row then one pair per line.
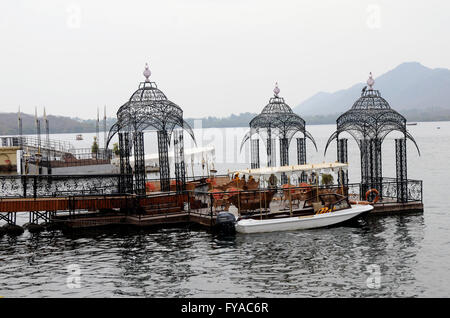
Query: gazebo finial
x,y
276,90
147,73
370,81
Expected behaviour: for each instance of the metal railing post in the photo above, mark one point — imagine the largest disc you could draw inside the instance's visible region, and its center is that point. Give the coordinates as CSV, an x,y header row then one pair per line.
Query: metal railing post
x,y
211,208
34,187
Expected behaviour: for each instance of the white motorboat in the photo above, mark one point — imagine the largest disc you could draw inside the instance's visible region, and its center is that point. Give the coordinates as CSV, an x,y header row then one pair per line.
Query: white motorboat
x,y
254,225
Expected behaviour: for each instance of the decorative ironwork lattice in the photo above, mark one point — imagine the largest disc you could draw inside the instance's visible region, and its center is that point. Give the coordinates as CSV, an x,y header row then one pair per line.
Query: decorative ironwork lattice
x,y
57,185
255,153
301,151
126,173
180,169
148,107
401,169
364,152
271,152
375,164
139,163
284,157
164,168
277,120
301,157
369,121
122,187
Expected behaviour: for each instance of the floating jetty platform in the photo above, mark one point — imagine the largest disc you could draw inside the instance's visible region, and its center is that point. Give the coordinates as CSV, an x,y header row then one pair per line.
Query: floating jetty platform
x,y
199,203
128,199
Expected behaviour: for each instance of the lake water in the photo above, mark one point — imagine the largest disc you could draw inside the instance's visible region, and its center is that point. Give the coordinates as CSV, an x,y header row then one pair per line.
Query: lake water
x,y
410,254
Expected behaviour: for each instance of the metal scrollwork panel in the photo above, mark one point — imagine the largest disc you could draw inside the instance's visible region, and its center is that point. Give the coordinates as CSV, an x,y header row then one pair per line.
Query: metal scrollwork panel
x,y
51,186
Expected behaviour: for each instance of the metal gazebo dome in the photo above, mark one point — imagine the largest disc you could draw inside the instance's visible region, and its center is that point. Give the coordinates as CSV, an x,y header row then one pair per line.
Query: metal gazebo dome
x,y
370,117
369,121
149,107
371,99
276,105
277,120
278,117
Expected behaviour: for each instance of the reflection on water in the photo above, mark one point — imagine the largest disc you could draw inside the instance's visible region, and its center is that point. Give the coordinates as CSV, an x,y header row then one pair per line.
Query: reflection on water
x,y
411,251
183,262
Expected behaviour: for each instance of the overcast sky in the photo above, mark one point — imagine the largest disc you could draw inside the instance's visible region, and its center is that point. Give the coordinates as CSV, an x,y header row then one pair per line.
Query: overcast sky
x,y
210,57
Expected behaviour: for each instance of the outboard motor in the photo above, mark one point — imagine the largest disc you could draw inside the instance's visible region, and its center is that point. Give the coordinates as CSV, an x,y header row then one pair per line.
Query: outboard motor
x,y
225,223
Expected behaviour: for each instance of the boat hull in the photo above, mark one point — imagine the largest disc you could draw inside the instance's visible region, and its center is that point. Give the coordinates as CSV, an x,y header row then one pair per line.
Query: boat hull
x,y
301,222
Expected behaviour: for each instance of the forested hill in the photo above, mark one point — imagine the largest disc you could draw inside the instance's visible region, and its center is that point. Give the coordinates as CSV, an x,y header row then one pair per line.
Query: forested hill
x,y
60,124
412,89
57,124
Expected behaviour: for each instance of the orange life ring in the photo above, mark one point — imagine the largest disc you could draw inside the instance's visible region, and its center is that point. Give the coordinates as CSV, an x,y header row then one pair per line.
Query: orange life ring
x,y
376,198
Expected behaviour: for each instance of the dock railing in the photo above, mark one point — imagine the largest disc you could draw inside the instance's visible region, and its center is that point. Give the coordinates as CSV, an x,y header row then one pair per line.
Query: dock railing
x,y
204,200
34,186
393,190
288,199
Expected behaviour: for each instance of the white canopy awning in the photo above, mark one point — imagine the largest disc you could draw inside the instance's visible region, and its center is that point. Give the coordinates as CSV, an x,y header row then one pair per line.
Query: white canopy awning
x,y
289,170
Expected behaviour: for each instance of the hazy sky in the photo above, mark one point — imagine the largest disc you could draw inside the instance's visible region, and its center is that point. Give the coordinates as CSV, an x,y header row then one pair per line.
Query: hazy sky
x,y
210,57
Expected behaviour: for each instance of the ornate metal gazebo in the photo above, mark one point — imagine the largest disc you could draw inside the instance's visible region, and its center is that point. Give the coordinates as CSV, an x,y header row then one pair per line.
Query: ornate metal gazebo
x,y
369,121
148,107
277,120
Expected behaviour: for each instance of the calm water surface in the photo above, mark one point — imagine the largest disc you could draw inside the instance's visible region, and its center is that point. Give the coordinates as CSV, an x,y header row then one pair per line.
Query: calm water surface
x,y
412,251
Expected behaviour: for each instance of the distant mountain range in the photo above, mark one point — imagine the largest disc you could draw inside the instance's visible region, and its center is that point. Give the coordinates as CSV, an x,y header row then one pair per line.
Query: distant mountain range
x,y
417,92
411,88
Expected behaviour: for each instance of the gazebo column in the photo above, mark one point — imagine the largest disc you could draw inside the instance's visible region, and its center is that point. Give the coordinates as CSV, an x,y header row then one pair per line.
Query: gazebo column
x,y
301,156
375,167
401,169
284,157
364,149
271,150
163,151
126,173
139,163
121,164
342,157
254,153
180,170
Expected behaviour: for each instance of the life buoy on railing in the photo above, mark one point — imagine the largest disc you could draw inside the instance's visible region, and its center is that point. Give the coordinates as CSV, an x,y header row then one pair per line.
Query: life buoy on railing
x,y
376,198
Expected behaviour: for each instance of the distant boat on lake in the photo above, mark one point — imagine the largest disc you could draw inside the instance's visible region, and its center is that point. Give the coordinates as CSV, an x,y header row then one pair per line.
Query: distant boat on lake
x,y
79,137
411,124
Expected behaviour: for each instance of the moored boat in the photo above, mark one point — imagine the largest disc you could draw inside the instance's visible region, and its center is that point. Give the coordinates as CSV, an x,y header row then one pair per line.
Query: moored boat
x,y
302,222
305,206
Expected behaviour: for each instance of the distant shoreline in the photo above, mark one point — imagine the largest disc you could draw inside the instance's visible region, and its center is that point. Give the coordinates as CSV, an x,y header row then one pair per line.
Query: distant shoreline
x,y
203,127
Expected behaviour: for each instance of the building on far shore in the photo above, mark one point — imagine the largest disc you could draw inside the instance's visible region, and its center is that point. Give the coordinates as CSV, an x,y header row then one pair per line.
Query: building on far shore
x,y
8,159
